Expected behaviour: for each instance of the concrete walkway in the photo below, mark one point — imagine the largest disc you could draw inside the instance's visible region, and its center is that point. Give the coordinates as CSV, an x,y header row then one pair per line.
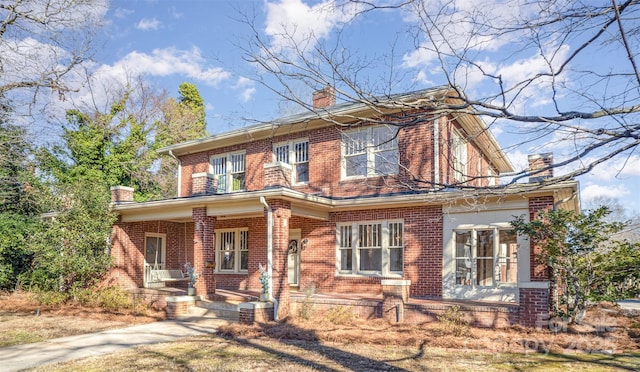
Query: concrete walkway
x,y
16,358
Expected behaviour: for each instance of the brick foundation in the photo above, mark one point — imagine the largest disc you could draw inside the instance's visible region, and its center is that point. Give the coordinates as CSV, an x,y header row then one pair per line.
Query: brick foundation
x,y
255,312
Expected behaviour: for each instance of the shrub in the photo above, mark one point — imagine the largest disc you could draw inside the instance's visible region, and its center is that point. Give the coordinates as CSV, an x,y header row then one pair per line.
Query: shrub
x,y
340,315
453,322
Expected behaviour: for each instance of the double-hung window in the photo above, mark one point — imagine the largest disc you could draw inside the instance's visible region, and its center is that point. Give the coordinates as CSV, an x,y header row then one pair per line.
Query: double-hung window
x,y
370,248
295,153
486,257
229,171
370,151
232,250
459,156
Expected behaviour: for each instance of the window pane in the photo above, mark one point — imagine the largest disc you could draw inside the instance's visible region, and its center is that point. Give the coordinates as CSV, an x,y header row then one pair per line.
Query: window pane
x,y
219,165
463,257
345,236
301,150
227,250
395,257
153,251
370,259
384,138
484,272
507,262
237,163
485,243
244,260
346,262
356,165
386,162
302,172
369,235
237,182
355,142
282,153
243,245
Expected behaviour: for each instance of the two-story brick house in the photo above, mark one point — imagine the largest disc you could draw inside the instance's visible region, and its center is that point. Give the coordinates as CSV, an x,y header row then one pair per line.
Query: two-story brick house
x,y
345,204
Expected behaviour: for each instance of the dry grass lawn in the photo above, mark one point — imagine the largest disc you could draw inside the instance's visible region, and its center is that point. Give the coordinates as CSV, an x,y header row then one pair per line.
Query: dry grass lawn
x,y
608,341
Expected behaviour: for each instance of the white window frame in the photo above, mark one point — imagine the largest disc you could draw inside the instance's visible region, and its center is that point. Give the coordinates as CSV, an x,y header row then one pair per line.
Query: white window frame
x,y
370,150
385,245
229,171
496,257
459,156
240,245
292,157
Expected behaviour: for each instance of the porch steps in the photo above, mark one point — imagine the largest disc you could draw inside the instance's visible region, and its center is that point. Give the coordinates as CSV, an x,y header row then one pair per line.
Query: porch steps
x,y
212,310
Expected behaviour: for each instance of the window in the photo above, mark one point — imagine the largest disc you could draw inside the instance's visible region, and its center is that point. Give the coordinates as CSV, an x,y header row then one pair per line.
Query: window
x,y
229,172
232,250
459,157
296,154
371,248
486,257
370,151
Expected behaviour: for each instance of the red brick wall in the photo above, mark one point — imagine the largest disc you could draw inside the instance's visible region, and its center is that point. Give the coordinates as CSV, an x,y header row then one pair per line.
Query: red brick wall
x,y
416,155
423,251
539,271
127,248
534,307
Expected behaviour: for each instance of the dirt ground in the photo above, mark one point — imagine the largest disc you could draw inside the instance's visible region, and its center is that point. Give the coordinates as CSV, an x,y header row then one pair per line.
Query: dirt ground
x,y
23,320
607,329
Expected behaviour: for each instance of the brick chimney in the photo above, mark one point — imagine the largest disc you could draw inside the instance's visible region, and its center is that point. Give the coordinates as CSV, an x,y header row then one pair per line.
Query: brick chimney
x,y
121,194
324,97
537,162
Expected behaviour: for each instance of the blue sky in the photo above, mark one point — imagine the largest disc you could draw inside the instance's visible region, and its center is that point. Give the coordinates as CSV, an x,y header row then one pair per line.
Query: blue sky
x,y
201,42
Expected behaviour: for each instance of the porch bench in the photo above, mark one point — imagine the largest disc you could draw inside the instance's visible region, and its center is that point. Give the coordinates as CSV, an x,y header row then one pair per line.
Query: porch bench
x,y
168,276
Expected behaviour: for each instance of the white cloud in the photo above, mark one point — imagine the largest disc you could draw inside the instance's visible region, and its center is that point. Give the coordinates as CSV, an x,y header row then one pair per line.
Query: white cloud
x,y
171,61
122,12
247,88
147,24
619,167
292,23
592,191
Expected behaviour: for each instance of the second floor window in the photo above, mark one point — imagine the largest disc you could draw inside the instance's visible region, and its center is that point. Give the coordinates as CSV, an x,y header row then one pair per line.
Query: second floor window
x,y
296,154
371,151
459,157
229,172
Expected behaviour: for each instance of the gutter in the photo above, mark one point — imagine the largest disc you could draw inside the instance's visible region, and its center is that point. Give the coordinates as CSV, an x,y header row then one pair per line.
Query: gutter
x,y
270,255
179,172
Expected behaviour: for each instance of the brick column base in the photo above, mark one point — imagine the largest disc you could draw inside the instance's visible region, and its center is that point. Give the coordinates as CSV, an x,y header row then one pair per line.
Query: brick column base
x,y
252,312
395,294
534,304
178,306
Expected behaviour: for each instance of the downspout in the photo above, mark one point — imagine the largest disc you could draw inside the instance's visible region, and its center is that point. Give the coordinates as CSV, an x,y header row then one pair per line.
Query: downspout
x,y
270,255
179,172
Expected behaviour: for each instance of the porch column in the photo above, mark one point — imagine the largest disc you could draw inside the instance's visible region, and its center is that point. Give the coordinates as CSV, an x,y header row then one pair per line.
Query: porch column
x,y
204,251
281,215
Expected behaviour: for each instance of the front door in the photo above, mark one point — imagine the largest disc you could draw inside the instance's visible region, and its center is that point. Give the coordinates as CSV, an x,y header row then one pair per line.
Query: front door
x,y
294,258
154,257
